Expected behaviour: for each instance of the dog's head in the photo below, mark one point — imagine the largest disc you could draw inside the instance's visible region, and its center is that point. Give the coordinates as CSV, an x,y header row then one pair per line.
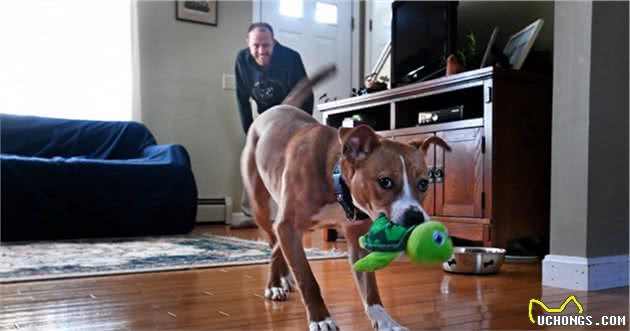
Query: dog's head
x,y
386,176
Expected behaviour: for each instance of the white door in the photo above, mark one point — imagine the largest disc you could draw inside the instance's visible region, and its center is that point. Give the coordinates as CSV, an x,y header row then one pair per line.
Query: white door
x,y
379,30
321,32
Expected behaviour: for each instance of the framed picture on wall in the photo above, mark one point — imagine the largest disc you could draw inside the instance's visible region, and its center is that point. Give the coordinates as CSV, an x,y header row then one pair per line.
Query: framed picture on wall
x,y
197,11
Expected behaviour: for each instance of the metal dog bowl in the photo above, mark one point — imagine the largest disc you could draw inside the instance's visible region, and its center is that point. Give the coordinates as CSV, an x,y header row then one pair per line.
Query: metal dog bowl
x,y
475,260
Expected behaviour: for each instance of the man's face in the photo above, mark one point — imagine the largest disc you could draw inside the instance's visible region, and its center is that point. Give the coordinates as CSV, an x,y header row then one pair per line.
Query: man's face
x,y
260,45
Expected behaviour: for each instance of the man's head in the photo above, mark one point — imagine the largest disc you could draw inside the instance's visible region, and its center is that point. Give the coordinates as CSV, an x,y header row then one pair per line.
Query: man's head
x,y
260,42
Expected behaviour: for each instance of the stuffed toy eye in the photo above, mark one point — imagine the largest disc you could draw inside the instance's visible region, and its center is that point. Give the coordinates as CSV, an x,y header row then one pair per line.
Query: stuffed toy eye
x,y
438,238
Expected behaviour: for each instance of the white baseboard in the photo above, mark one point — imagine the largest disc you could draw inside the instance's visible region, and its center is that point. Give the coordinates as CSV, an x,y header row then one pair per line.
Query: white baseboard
x,y
585,274
214,210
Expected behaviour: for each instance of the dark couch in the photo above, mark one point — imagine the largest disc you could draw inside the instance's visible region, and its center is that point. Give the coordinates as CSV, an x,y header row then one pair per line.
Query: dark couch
x,y
83,179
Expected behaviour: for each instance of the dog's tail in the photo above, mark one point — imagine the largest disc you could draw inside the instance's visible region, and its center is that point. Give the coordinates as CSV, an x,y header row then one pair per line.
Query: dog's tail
x,y
302,90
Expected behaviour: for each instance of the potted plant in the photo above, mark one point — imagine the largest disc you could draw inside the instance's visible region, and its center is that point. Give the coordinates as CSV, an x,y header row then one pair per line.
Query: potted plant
x,y
465,57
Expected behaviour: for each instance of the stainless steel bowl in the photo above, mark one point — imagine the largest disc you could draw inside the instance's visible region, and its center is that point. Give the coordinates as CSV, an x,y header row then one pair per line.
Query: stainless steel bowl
x,y
475,260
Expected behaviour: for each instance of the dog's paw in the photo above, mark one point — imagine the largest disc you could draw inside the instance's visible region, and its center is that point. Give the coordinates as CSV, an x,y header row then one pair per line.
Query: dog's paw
x,y
276,294
381,320
326,325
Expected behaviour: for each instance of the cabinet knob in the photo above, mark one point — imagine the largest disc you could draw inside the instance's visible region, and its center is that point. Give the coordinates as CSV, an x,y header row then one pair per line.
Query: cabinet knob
x,y
439,175
431,174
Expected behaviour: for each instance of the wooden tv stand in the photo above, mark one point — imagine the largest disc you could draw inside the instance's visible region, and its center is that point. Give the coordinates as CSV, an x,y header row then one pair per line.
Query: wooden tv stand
x,y
494,185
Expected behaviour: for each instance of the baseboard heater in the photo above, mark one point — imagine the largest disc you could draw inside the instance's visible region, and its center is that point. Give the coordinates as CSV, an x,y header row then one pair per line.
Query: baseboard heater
x,y
214,210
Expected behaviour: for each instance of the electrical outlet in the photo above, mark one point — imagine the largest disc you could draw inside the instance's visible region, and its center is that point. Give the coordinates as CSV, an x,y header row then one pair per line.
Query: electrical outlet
x,y
229,82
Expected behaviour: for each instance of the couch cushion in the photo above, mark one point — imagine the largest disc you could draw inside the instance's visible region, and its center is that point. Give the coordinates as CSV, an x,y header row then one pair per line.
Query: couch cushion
x,y
49,137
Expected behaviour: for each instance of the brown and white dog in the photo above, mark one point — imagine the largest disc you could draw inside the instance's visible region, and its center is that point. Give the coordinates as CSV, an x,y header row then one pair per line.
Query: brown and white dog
x,y
289,157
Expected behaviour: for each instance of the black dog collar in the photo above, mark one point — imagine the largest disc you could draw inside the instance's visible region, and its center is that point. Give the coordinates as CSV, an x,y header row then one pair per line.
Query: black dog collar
x,y
342,194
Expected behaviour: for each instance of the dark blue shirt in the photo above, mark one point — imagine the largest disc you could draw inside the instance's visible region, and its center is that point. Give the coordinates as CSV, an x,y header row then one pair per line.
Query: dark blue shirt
x,y
268,87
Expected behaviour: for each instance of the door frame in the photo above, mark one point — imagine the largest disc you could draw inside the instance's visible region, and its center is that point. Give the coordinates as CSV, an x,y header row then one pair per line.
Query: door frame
x,y
355,38
367,57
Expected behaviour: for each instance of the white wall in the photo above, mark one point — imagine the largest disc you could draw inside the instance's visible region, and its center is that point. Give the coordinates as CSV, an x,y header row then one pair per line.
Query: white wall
x,y
181,98
608,131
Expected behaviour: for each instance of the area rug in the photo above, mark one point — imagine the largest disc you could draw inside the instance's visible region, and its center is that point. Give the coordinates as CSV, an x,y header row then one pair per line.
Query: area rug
x,y
80,258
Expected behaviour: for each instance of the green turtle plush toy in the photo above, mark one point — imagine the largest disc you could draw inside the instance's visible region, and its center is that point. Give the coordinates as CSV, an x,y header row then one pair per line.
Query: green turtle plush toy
x,y
424,243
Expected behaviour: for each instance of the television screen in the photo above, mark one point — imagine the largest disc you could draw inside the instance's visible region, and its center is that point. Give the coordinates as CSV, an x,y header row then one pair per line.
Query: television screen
x,y
423,35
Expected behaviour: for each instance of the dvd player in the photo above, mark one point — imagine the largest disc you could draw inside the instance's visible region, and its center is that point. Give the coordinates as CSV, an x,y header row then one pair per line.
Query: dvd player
x,y
442,115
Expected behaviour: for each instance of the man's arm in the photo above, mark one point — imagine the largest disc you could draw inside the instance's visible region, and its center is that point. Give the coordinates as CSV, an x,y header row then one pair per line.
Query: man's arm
x,y
300,73
242,97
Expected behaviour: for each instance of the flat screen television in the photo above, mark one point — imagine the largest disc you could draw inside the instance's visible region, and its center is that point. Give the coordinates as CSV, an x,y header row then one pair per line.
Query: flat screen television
x,y
423,35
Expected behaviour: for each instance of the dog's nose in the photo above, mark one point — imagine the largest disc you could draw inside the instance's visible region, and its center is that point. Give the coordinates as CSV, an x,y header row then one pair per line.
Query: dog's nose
x,y
412,216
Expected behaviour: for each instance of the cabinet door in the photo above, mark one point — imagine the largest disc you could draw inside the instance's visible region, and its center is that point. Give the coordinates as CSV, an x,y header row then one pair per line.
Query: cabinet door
x,y
429,201
459,191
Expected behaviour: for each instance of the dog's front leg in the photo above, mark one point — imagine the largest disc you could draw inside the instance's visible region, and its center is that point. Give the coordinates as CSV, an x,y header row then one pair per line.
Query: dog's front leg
x,y
366,281
293,250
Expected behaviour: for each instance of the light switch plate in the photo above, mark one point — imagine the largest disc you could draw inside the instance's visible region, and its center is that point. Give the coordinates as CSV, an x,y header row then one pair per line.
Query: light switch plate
x,y
228,82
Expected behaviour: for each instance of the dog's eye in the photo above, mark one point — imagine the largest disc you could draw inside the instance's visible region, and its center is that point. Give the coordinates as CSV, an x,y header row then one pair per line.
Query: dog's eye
x,y
438,238
423,185
385,183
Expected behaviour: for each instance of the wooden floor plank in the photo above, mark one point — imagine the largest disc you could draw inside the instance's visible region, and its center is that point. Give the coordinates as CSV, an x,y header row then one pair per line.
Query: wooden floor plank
x,y
230,298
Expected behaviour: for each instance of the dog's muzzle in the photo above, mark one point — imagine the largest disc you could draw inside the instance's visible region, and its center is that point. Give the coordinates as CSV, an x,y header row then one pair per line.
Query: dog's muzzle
x,y
412,216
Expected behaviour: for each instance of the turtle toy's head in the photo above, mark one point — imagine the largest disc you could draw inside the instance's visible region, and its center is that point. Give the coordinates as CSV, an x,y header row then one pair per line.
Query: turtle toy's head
x,y
429,243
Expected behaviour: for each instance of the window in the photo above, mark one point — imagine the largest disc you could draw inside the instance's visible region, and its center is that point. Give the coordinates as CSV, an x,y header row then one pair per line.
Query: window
x,y
69,59
325,13
292,8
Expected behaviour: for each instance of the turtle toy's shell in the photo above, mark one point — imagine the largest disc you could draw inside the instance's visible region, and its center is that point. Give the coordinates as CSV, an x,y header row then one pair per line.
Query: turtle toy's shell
x,y
385,236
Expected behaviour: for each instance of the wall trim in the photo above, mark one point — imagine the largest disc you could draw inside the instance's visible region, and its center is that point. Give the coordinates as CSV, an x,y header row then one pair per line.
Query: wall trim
x,y
355,59
256,10
585,274
136,77
214,210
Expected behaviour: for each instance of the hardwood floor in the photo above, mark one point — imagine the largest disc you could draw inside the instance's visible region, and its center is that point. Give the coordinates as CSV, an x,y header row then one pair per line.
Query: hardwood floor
x,y
230,298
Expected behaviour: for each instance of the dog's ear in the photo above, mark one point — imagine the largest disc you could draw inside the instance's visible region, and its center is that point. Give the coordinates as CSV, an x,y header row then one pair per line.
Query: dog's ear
x,y
357,143
424,144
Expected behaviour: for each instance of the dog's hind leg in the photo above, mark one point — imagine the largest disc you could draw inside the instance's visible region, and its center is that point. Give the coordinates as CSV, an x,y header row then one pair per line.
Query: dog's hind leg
x,y
280,282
